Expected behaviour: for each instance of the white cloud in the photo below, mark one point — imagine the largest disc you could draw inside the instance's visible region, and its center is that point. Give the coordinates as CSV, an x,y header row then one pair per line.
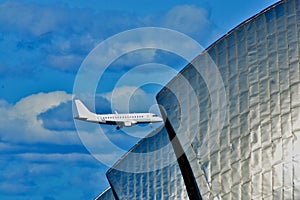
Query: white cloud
x,y
55,31
3,103
65,62
187,19
5,147
34,19
16,188
124,50
194,21
56,157
29,107
61,36
135,58
127,98
19,122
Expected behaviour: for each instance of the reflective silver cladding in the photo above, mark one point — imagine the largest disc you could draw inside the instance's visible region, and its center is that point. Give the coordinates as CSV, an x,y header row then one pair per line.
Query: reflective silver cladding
x,y
156,177
256,154
106,195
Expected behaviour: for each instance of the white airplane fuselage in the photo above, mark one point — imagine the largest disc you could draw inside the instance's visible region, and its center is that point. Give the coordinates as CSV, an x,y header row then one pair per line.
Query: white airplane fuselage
x,y
121,120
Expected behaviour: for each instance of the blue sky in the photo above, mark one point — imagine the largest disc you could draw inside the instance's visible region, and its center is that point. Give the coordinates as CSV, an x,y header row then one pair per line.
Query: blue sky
x,y
42,45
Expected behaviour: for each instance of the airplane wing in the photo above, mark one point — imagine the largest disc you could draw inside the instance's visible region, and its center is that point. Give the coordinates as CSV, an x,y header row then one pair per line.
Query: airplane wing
x,y
129,123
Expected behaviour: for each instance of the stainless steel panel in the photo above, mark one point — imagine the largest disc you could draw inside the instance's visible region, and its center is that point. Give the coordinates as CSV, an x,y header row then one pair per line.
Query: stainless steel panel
x,y
256,183
267,157
226,181
236,173
277,151
295,94
256,164
246,188
296,190
256,153
296,165
156,177
287,149
277,176
288,175
267,184
106,195
276,127
266,134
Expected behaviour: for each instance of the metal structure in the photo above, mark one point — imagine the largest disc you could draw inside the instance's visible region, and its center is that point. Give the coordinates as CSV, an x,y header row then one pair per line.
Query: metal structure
x,y
251,150
150,180
106,195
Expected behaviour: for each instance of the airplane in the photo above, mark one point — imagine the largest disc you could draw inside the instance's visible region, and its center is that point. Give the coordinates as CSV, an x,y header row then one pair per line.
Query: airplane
x,y
120,120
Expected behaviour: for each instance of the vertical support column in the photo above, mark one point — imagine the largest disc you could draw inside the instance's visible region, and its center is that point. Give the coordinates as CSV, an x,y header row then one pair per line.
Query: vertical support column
x,y
113,190
184,165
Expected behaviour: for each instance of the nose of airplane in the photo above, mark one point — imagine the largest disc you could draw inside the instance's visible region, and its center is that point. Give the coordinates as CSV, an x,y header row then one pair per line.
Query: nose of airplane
x,y
159,119
156,118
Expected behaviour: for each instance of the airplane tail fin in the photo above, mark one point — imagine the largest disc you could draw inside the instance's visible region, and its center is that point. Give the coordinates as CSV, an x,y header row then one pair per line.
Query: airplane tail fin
x,y
83,112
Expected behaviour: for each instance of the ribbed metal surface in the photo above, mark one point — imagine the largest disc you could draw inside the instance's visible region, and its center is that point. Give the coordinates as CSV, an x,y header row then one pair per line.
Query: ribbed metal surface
x,y
106,195
257,153
156,177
